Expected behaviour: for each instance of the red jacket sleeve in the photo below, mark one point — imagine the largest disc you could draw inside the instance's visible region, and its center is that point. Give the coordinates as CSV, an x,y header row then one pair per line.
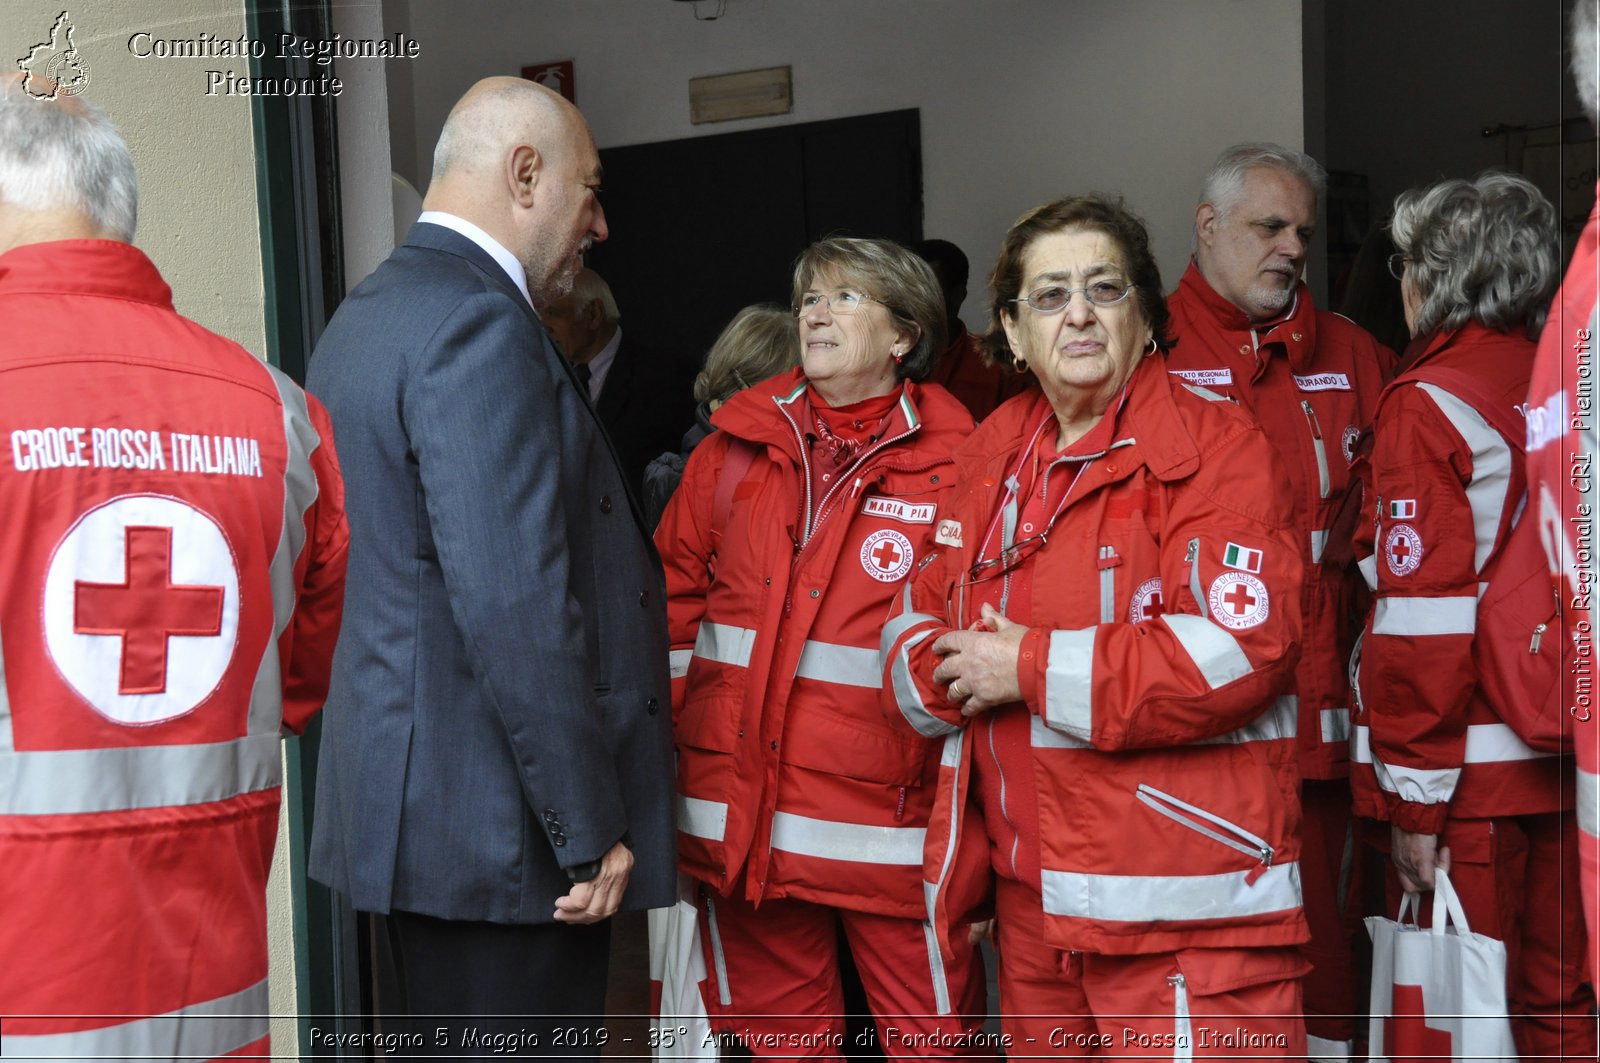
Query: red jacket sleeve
x,y
1417,673
307,644
684,541
916,620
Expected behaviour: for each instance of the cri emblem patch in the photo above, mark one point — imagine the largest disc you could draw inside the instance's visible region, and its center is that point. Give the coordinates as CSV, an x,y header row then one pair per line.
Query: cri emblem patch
x,y
886,555
141,608
1146,603
1347,442
1402,548
1238,600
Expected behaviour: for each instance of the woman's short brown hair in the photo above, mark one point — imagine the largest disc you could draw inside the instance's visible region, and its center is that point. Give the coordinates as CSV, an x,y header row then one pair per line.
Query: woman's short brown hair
x,y
896,277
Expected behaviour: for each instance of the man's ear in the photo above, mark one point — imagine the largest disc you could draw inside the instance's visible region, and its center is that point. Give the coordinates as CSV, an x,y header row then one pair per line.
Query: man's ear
x,y
594,314
523,167
1206,223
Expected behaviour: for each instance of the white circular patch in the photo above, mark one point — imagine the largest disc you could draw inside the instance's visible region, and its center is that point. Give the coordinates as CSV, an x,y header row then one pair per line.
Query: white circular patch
x,y
1146,603
1238,600
141,608
886,555
1347,442
1402,549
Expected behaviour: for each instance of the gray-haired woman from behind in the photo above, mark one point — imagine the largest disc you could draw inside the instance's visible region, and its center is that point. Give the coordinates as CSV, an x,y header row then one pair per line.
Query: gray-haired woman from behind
x,y
759,342
1460,790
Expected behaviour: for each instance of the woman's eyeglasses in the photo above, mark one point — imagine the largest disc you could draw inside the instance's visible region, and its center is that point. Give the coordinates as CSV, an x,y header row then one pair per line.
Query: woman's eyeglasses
x,y
1054,298
843,301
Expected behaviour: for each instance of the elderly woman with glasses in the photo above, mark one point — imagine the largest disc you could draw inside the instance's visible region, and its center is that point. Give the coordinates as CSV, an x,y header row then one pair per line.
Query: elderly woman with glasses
x,y
1102,642
802,808
1459,789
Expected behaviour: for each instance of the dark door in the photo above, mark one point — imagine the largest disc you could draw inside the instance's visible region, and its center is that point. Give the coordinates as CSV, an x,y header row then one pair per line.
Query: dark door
x,y
704,226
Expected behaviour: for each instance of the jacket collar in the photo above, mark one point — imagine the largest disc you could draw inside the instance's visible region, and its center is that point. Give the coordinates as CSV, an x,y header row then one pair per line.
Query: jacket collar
x,y
84,267
1294,334
438,238
1148,433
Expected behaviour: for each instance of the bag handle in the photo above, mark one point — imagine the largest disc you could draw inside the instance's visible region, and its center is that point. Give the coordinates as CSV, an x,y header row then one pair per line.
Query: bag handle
x,y
1410,904
1446,903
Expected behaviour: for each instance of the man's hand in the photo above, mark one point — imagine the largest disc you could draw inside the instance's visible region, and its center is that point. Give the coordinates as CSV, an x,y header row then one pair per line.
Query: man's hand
x,y
597,899
980,665
1415,858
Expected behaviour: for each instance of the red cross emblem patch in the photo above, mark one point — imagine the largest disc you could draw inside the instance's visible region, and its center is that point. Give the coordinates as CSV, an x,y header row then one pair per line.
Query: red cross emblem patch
x,y
1402,549
141,608
1238,600
886,555
1146,603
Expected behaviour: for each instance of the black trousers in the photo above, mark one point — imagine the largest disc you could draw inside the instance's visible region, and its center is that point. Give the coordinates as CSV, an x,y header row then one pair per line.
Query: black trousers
x,y
492,990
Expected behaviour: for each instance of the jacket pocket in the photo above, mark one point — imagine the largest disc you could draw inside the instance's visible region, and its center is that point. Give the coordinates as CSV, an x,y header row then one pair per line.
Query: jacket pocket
x,y
709,721
1211,825
837,744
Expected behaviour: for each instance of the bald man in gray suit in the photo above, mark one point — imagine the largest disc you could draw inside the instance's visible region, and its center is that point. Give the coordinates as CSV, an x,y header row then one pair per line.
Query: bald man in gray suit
x,y
495,773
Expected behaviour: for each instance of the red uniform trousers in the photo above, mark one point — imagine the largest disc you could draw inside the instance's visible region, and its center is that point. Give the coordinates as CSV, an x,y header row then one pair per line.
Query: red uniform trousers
x,y
1517,877
1330,878
1217,1003
772,980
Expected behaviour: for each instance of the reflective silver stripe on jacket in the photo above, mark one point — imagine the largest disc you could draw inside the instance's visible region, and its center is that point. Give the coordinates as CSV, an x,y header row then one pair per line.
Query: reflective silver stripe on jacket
x,y
200,1031
1426,616
1491,469
906,695
1319,543
678,662
1369,570
1280,720
1589,803
1487,743
119,779
1214,652
854,842
724,643
830,662
703,819
1069,680
300,492
5,704
1175,898
1336,724
1426,786
1170,897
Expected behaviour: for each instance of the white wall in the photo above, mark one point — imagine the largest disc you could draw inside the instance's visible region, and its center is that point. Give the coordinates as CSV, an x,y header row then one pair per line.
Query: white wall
x,y
1008,89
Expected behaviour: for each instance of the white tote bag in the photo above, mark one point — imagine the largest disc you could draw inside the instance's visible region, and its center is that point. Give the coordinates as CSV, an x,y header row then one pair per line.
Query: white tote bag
x,y
679,1029
1438,993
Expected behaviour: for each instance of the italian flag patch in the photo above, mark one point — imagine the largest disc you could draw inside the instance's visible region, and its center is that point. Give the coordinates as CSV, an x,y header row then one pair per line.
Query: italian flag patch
x,y
1242,557
1402,509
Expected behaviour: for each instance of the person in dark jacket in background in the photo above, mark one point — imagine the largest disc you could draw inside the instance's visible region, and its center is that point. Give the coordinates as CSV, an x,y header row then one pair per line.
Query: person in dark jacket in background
x,y
758,343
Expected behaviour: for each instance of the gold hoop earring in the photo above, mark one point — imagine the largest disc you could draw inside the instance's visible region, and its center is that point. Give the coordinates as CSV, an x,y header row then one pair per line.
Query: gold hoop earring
x,y
1154,347
1019,365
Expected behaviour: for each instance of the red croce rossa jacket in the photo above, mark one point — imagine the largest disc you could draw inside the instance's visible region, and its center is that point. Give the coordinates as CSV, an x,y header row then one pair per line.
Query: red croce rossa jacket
x,y
1163,749
174,547
791,781
1312,379
1446,485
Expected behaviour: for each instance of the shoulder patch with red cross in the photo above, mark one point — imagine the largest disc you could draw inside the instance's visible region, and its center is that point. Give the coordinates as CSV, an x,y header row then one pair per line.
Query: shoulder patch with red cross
x,y
1402,548
1238,600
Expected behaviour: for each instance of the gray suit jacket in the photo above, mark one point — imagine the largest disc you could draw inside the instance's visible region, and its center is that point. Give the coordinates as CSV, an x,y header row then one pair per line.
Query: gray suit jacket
x,y
500,708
